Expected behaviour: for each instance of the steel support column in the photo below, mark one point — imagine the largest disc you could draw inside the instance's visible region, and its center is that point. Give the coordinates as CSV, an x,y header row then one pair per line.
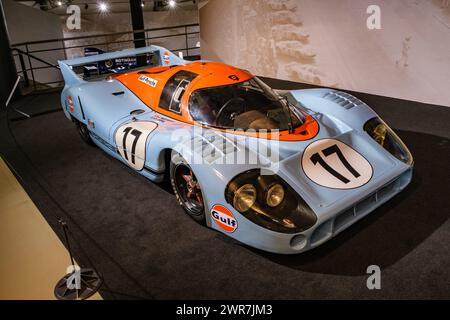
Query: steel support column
x,y
137,21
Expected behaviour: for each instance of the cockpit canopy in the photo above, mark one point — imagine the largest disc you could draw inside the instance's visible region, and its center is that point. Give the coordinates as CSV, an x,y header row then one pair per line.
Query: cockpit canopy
x,y
246,105
214,95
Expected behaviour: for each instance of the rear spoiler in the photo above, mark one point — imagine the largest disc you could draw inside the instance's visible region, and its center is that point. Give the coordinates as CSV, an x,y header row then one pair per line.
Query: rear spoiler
x,y
167,58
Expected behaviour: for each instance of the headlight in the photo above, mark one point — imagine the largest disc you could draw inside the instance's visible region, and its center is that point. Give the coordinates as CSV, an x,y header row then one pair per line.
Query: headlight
x,y
269,202
244,198
275,195
386,137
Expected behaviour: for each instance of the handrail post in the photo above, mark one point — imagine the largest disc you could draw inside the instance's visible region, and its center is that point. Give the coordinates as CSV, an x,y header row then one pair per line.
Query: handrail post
x,y
24,69
31,66
64,48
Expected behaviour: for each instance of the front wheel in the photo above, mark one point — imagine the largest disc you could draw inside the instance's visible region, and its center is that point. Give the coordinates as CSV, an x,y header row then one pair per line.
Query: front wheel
x,y
186,188
84,132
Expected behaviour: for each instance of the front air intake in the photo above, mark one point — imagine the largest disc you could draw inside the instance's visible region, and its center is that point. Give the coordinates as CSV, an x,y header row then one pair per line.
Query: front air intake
x,y
349,216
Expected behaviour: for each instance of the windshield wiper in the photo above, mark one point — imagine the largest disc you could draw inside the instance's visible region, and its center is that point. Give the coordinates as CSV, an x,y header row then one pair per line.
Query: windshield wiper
x,y
288,112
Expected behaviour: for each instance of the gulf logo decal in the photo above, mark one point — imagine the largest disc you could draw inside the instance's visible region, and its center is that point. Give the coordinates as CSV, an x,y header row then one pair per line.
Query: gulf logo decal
x,y
70,101
166,57
224,218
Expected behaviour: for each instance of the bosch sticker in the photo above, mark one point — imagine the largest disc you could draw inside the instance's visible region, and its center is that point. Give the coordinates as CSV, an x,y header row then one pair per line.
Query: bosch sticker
x,y
224,218
148,81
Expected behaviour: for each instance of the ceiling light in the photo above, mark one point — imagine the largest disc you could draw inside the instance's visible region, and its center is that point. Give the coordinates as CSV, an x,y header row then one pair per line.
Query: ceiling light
x,y
103,7
59,3
172,3
142,4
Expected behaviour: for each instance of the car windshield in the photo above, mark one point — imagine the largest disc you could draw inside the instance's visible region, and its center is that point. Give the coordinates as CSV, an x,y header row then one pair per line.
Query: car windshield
x,y
246,105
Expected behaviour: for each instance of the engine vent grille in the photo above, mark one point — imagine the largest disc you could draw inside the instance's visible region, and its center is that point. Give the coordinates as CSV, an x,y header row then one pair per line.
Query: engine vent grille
x,y
212,146
344,99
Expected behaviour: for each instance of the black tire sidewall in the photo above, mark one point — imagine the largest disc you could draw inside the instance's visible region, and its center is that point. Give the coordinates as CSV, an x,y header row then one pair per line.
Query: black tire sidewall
x,y
175,160
84,132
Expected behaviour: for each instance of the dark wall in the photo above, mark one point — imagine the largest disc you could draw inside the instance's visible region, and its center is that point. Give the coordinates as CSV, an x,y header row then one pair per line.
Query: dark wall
x,y
7,68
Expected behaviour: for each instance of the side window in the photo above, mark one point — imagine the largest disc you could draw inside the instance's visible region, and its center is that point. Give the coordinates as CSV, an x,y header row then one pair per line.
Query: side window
x,y
174,90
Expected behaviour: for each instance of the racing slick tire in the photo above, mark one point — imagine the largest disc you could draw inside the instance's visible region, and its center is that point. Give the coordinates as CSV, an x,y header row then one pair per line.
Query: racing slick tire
x,y
186,188
83,132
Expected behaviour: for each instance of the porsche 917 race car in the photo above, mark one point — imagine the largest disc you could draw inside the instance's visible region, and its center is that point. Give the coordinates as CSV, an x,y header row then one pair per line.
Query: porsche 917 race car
x,y
282,171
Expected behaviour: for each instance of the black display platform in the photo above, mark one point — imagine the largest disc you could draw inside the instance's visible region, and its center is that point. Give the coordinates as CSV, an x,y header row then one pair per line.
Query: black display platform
x,y
144,246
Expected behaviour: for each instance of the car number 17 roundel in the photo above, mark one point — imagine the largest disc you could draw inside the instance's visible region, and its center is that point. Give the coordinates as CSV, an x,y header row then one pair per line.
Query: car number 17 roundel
x,y
131,141
224,218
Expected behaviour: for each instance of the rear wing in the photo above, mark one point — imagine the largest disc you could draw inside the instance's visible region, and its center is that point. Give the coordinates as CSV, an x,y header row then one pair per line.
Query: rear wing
x,y
164,58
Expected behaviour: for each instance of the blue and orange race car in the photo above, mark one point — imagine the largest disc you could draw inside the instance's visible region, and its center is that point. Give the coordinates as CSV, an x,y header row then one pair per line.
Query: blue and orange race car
x,y
282,171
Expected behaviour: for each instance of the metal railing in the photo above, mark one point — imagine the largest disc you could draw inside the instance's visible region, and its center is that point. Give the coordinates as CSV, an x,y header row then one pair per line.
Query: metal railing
x,y
36,61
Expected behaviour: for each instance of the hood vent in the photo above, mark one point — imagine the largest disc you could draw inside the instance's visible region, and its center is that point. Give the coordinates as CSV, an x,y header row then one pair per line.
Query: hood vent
x,y
212,146
343,99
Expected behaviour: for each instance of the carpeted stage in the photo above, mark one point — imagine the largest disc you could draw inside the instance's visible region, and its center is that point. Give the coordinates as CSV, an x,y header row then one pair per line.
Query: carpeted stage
x,y
143,244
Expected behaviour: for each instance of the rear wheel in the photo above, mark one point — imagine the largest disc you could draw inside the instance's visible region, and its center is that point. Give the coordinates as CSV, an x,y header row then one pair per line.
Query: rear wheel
x,y
186,188
83,132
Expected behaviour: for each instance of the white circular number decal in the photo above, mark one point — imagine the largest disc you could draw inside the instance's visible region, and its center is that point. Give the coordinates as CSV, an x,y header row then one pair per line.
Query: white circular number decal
x,y
333,164
131,141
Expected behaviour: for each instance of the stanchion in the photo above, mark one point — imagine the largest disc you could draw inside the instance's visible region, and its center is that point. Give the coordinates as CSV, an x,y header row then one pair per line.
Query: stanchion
x,y
10,97
78,283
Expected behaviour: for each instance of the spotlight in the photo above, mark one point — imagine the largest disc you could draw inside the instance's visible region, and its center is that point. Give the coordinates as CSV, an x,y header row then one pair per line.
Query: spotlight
x,y
142,4
103,7
59,3
172,3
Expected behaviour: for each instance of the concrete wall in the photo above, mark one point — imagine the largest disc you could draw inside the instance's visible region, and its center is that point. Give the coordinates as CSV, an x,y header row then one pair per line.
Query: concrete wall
x,y
26,24
327,42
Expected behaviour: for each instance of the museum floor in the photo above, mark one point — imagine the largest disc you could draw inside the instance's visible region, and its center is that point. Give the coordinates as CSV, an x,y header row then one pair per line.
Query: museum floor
x,y
32,257
143,244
